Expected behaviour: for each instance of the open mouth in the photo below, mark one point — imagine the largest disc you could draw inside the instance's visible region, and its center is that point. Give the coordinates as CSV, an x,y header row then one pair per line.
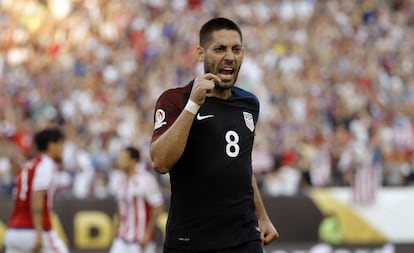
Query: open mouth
x,y
226,73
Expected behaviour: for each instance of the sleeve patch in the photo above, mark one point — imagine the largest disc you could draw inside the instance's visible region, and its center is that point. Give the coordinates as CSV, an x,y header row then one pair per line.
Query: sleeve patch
x,y
159,118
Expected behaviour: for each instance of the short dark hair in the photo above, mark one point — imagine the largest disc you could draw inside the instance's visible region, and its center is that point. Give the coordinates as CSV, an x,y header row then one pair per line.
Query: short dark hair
x,y
217,24
46,136
133,153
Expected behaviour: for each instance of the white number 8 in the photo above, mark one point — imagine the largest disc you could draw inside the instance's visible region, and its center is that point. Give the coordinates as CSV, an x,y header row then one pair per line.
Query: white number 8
x,y
232,147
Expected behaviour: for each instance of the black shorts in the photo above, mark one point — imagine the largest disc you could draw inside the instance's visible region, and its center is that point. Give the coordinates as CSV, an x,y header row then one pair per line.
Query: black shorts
x,y
249,247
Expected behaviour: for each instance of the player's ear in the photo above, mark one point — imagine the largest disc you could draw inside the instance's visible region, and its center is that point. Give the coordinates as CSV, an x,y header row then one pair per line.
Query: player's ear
x,y
200,53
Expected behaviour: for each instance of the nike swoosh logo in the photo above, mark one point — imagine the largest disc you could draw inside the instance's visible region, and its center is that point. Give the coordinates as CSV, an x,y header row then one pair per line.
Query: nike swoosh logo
x,y
200,117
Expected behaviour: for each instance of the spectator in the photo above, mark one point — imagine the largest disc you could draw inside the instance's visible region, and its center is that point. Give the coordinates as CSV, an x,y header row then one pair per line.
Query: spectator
x,y
110,57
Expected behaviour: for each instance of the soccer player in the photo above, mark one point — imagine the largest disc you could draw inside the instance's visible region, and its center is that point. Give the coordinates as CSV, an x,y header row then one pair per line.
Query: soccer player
x,y
203,136
30,228
140,201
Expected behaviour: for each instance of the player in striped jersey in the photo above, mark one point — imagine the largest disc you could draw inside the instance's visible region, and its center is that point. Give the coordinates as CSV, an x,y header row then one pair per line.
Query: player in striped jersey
x,y
140,201
203,137
30,228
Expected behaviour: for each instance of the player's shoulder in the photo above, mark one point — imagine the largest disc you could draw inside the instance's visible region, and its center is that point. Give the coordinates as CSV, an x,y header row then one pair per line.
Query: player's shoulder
x,y
176,91
246,97
242,93
144,175
44,160
142,171
45,164
33,163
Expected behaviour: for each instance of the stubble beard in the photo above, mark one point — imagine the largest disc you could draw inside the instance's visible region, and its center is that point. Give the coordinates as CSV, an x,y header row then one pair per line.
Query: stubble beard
x,y
210,68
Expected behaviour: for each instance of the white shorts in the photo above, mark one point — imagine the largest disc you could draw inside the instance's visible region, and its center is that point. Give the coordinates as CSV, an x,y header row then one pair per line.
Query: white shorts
x,y
122,246
23,240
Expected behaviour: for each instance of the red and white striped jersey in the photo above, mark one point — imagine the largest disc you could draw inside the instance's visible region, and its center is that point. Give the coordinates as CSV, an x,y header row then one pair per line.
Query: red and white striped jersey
x,y
136,196
35,175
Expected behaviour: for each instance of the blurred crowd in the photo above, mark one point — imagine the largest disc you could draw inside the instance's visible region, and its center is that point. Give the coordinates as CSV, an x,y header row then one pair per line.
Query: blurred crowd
x,y
334,78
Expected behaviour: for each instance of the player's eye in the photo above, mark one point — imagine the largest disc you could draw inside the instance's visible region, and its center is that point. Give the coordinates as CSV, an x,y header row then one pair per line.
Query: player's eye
x,y
237,50
219,49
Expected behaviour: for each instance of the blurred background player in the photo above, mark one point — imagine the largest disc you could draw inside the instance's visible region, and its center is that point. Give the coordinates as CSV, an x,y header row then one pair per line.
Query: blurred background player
x,y
30,228
140,201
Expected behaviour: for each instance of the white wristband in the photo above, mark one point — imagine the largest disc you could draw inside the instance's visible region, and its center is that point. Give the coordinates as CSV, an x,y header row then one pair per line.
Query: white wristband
x,y
192,106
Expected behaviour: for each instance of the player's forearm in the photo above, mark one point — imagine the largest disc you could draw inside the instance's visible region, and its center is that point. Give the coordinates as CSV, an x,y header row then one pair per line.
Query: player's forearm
x,y
168,148
258,202
37,210
155,213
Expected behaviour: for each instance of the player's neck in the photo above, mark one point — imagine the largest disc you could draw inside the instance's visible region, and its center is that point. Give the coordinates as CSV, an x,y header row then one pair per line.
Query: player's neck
x,y
48,154
220,93
130,172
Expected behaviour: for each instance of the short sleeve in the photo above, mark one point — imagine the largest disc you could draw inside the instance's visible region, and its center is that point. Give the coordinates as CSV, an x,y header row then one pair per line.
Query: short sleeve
x,y
152,191
43,176
167,109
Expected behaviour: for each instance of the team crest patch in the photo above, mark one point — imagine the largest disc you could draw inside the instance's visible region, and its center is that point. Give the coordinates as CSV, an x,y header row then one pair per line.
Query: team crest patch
x,y
159,118
248,119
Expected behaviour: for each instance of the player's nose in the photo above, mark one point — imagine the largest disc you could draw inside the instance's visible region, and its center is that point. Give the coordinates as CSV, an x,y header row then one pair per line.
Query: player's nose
x,y
229,55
